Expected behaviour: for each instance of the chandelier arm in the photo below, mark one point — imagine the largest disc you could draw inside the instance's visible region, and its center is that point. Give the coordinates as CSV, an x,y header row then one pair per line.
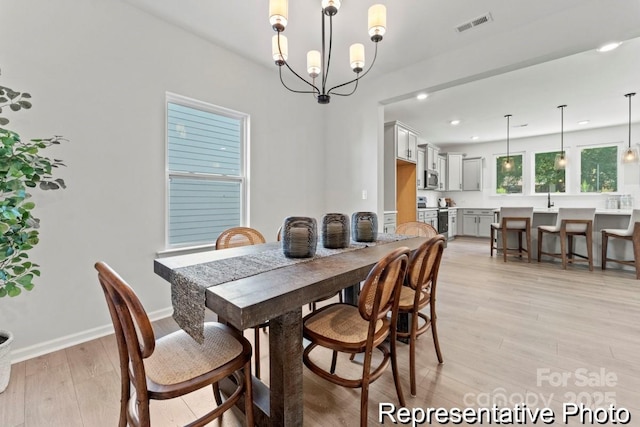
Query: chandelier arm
x,y
315,88
314,91
350,93
325,71
375,55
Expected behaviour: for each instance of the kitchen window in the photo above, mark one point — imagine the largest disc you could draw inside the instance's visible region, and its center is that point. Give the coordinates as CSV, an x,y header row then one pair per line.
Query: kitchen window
x,y
509,181
206,171
599,169
548,179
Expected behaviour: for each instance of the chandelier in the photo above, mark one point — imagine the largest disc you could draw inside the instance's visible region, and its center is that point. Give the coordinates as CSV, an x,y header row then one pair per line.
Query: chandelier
x,y
319,62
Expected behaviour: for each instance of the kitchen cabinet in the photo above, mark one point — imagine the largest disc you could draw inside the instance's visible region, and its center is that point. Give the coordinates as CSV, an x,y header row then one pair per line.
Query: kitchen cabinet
x,y
389,222
477,222
472,174
453,223
433,153
442,173
400,175
420,168
431,217
405,140
454,171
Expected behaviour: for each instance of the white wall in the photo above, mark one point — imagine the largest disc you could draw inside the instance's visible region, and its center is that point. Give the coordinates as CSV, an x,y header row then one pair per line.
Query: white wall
x,y
629,182
98,71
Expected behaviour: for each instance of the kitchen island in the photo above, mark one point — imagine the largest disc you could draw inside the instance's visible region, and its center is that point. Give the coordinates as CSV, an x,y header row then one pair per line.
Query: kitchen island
x,y
605,218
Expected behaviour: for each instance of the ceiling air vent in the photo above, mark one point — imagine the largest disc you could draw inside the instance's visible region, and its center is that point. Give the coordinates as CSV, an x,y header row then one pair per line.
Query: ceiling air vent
x,y
474,23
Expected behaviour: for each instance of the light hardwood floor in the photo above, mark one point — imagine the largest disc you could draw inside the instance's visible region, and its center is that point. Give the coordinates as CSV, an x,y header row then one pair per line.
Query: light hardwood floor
x,y
505,330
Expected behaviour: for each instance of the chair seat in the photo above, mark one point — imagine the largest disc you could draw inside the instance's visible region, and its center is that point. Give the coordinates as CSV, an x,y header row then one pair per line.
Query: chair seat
x,y
499,227
178,357
618,232
340,322
549,228
408,295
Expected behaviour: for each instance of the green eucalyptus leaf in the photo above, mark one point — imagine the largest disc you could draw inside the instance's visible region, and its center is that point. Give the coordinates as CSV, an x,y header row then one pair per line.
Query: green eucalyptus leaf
x,y
24,104
25,280
3,292
4,227
13,291
15,107
26,95
28,205
28,286
36,272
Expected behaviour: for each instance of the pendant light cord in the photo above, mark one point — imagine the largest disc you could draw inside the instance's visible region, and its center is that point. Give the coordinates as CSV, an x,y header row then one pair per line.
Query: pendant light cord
x,y
629,95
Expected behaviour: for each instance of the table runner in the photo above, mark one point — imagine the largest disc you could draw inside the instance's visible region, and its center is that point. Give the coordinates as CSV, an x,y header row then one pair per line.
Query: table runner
x,y
188,284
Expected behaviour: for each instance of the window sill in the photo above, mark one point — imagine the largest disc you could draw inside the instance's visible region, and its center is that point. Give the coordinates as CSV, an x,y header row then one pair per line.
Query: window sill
x,y
185,250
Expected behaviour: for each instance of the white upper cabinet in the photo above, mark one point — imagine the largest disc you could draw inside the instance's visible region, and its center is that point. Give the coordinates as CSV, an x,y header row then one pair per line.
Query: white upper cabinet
x,y
454,171
472,174
406,141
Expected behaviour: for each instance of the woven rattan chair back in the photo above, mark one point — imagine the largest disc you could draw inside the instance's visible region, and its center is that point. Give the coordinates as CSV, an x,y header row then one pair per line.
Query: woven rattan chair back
x,y
415,228
239,236
422,276
166,375
343,328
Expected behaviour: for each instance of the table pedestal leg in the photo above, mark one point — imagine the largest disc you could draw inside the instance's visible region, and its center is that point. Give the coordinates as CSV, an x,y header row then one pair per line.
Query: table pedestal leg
x,y
285,362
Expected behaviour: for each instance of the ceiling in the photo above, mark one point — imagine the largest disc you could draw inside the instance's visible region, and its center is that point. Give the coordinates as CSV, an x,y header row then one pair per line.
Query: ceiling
x,y
591,84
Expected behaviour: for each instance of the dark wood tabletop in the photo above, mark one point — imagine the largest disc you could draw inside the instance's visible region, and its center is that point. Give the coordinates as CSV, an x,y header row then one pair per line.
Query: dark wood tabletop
x,y
277,296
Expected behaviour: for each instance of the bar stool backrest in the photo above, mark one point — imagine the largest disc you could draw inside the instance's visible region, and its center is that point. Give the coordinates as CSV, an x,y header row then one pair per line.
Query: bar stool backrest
x,y
575,213
519,212
635,217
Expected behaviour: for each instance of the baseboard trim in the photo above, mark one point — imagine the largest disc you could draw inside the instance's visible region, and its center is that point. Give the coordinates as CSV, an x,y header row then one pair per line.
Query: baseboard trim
x,y
22,354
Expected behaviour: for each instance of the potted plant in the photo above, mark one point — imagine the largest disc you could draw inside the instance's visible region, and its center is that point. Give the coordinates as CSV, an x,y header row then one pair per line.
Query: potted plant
x,y
22,167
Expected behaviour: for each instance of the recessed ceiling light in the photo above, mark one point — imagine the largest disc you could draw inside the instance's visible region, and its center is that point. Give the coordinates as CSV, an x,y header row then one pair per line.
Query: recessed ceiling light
x,y
475,137
608,47
454,122
422,96
583,122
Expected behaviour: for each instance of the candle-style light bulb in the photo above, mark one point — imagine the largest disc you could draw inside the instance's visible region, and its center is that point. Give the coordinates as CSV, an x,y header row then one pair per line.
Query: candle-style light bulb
x,y
377,22
313,63
279,48
356,57
278,13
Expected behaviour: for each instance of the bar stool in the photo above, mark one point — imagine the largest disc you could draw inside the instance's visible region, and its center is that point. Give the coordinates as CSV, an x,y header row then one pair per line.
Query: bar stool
x,y
632,233
571,222
515,220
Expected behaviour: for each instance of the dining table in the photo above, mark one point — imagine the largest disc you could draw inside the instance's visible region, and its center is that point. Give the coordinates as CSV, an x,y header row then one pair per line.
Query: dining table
x,y
277,296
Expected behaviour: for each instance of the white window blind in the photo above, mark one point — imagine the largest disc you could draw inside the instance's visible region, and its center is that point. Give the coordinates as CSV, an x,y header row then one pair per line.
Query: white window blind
x,y
205,168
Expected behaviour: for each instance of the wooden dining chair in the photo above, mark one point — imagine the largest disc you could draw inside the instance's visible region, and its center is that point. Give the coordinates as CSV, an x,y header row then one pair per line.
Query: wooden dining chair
x,y
175,364
571,222
422,277
631,234
239,236
416,228
512,220
233,238
349,329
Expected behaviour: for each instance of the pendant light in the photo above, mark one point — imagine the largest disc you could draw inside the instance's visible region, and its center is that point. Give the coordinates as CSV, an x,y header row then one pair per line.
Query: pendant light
x,y
561,159
507,166
630,155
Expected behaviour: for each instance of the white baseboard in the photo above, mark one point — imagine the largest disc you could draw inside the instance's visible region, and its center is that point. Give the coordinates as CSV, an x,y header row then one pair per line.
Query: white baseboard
x,y
25,353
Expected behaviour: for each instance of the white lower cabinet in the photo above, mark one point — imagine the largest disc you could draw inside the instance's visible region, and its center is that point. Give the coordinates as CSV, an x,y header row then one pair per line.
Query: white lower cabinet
x,y
389,223
453,223
477,222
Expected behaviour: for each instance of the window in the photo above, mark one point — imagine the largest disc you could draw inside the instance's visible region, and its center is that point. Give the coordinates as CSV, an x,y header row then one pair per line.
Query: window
x,y
509,181
546,177
206,163
599,169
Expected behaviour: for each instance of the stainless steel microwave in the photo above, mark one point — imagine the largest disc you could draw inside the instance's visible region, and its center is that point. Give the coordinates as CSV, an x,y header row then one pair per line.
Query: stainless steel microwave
x,y
431,181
